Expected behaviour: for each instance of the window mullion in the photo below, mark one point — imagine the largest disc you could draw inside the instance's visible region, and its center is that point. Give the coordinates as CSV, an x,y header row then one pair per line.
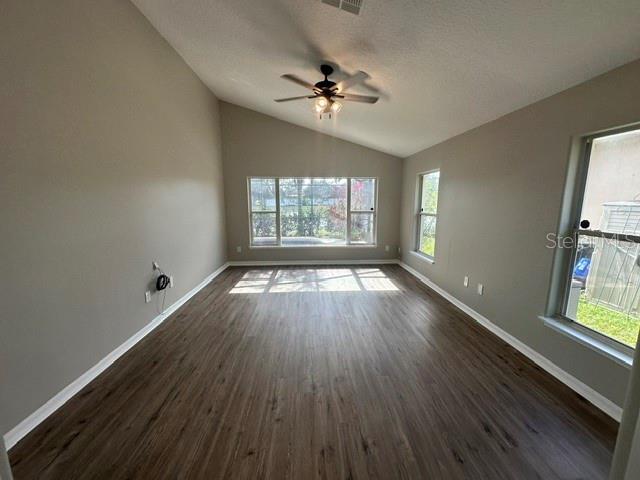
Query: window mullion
x,y
278,234
609,235
348,239
418,236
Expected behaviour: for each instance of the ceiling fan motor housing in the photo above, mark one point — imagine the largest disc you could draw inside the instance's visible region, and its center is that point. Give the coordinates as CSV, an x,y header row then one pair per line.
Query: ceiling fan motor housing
x,y
326,84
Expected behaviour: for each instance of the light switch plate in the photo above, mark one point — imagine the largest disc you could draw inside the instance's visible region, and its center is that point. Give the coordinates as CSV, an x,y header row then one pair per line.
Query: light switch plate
x,y
480,289
466,281
147,297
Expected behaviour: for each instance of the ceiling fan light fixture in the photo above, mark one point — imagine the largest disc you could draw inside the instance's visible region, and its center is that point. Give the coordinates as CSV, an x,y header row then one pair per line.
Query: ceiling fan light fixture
x,y
321,103
326,92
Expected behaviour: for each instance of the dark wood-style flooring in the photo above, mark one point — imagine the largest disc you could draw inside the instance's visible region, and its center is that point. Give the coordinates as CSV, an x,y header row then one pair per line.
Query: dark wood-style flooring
x,y
337,373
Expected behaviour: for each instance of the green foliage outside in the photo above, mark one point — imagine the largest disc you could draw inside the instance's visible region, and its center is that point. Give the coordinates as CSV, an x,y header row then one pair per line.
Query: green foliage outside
x,y
428,245
318,221
430,192
617,325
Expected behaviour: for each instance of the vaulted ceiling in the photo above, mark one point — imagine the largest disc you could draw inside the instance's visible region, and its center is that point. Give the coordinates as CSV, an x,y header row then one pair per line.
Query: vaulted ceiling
x,y
440,67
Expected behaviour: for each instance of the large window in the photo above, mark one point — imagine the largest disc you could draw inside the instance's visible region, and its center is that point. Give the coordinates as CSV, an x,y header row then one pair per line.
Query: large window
x,y
294,211
427,217
603,288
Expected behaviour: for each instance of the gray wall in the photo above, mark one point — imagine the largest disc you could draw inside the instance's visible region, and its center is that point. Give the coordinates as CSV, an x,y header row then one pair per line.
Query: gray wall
x,y
110,151
626,458
500,194
254,144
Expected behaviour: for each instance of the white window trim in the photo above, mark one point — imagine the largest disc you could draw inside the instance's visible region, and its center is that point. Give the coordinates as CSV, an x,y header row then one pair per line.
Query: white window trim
x,y
423,256
348,242
419,214
619,353
599,342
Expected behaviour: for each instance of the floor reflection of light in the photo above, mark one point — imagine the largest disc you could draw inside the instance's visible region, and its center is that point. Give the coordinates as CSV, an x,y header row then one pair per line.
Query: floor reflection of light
x,y
314,280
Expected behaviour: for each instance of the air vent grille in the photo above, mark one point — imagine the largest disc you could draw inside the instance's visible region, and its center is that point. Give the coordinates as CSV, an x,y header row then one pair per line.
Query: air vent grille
x,y
351,6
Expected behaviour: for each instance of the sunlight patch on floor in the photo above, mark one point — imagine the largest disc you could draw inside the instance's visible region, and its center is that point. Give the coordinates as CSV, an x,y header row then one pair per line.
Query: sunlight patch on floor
x,y
314,280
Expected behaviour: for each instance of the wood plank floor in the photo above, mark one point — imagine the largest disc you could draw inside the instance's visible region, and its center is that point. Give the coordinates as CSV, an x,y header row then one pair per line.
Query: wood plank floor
x,y
337,373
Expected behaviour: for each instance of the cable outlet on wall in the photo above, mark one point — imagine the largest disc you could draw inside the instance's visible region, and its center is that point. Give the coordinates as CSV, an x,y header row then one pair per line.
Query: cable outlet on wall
x,y
170,281
147,296
239,249
480,289
466,281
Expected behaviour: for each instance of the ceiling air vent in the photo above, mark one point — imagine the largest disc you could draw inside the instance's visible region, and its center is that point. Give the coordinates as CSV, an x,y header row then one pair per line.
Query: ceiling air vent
x,y
351,6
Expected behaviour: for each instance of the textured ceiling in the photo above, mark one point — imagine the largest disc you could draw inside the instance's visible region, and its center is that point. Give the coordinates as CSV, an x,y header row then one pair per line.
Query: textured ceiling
x,y
440,67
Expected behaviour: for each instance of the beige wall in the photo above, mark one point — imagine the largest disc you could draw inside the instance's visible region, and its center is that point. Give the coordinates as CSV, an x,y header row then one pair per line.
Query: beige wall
x,y
500,194
110,151
255,144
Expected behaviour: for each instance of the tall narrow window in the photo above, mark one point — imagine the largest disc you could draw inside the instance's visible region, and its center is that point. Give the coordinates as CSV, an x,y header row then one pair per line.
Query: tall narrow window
x,y
304,211
362,210
263,212
428,213
603,289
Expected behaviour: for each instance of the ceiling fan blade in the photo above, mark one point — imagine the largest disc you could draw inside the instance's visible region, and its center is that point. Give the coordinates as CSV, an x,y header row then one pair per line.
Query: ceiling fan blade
x,y
293,98
299,81
354,79
352,97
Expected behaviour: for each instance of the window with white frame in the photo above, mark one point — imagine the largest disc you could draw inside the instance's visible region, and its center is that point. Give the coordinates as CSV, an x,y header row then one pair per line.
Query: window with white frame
x,y
603,283
318,211
427,215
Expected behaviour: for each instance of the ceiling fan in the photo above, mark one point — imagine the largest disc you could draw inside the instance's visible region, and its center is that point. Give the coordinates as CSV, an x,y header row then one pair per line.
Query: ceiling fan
x,y
327,93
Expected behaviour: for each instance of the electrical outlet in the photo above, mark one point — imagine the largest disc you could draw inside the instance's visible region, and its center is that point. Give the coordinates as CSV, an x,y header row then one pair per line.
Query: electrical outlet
x,y
466,280
170,281
147,297
386,248
480,289
155,265
239,249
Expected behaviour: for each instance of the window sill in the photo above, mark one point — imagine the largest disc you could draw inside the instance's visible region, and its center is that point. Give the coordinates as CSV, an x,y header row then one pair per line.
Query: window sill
x,y
573,331
423,257
290,247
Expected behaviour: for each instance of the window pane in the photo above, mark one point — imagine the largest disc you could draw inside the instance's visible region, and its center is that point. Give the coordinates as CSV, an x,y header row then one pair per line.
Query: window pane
x,y
313,211
427,235
263,194
612,194
263,228
363,194
362,228
429,198
605,288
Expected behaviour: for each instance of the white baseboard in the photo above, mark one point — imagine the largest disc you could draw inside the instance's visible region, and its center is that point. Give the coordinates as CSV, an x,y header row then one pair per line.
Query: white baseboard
x,y
273,263
600,401
33,420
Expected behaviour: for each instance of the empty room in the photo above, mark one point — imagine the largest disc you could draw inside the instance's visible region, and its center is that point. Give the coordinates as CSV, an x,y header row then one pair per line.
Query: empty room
x,y
332,239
